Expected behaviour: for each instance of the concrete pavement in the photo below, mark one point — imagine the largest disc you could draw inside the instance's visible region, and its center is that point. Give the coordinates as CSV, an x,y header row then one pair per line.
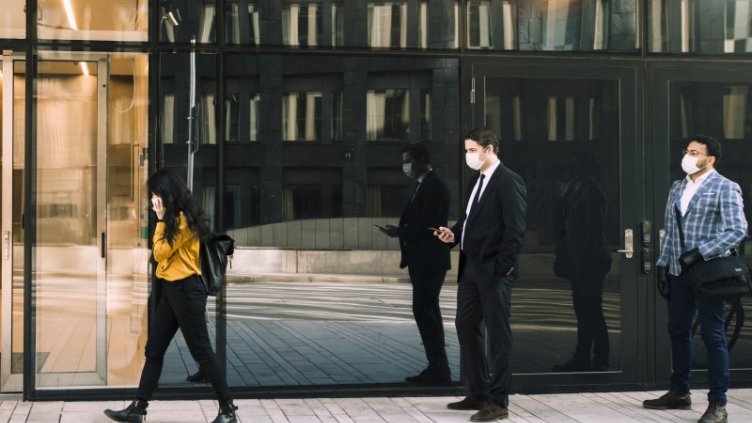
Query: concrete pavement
x,y
611,407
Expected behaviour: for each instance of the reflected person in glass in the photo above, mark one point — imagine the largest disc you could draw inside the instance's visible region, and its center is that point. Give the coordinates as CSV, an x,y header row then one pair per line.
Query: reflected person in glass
x,y
583,257
426,258
180,294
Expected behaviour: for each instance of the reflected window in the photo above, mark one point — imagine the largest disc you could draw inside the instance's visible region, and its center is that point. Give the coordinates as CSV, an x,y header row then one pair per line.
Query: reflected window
x,y
711,108
113,20
562,21
389,102
242,22
388,114
688,26
232,117
242,108
208,119
338,24
13,19
301,24
167,119
387,24
561,113
312,108
301,202
479,24
207,29
301,116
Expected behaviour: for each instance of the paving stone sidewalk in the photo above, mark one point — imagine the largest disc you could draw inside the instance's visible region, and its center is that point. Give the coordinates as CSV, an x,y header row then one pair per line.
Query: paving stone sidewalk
x,y
611,407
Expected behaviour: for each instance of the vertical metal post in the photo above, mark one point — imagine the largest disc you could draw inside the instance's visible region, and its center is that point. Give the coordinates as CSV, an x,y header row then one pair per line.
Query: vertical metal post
x,y
191,113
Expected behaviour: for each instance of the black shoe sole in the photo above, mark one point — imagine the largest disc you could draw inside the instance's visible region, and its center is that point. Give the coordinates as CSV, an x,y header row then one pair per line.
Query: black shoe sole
x,y
664,407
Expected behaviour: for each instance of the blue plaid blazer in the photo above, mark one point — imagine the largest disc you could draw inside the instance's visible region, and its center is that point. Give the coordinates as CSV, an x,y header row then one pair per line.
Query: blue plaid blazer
x,y
714,221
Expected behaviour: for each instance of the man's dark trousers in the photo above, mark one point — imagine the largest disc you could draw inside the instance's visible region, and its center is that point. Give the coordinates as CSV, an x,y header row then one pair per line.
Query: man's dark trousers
x,y
426,289
682,306
492,299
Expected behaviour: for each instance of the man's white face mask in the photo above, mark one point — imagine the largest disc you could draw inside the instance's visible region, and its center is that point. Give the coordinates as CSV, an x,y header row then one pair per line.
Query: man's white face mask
x,y
689,164
408,169
474,161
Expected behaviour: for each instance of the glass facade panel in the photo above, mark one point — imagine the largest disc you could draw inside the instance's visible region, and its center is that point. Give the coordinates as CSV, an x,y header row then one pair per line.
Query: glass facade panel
x,y
112,20
314,204
567,308
13,19
554,25
699,27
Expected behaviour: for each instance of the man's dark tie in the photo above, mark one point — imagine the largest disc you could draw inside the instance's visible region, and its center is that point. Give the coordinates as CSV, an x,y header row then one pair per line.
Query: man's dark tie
x,y
477,193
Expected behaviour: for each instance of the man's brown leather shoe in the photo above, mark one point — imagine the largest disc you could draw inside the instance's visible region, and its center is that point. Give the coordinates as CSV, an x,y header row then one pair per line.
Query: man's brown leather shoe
x,y
716,413
671,400
490,413
469,403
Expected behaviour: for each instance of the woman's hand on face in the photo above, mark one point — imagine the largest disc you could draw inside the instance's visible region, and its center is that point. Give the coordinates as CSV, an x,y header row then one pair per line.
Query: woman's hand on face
x,y
157,206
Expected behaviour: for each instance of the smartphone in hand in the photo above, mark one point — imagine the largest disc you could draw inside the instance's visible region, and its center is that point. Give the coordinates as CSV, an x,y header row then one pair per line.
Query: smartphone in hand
x,y
380,227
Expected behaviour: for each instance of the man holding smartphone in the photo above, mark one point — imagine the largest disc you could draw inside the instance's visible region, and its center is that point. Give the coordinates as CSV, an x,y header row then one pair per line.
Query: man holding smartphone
x,y
426,258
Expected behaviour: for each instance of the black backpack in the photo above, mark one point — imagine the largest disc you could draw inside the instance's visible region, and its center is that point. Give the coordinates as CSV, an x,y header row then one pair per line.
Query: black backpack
x,y
215,252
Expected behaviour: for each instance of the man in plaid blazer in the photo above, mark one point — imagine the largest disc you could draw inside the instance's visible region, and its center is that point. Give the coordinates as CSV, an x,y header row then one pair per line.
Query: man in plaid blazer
x,y
712,219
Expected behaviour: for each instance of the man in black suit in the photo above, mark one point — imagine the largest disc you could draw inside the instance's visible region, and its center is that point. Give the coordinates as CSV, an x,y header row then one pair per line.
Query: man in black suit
x,y
426,259
490,233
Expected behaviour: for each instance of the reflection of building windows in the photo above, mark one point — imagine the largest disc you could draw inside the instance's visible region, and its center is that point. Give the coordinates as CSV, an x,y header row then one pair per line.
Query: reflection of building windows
x,y
311,193
208,32
479,24
561,113
387,192
735,101
301,202
301,116
387,24
562,22
242,23
301,24
338,24
167,119
208,119
232,121
398,107
307,102
242,107
337,109
738,26
388,113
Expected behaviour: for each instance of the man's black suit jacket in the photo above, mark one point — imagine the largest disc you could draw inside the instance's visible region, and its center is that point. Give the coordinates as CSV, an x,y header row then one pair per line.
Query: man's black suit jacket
x,y
495,227
421,250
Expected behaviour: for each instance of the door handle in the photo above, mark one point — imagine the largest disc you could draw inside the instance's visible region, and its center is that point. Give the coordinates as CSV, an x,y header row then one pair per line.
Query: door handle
x,y
103,252
628,249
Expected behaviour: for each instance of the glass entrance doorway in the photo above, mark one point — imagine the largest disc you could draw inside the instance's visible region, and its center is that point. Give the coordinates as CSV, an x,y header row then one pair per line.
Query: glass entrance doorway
x,y
89,251
717,101
570,135
11,211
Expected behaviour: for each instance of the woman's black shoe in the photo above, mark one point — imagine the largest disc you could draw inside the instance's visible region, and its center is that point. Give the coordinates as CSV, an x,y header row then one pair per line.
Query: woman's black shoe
x,y
134,413
227,414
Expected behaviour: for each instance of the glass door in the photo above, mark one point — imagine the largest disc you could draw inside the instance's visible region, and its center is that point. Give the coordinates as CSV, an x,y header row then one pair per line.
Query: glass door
x,y
90,258
569,131
11,206
715,100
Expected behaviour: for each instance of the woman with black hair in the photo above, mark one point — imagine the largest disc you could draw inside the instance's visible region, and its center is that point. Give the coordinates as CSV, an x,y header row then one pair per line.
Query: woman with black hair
x,y
182,303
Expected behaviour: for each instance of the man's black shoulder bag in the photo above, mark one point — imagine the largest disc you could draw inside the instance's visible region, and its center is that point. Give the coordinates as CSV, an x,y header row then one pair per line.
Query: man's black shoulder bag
x,y
215,252
722,277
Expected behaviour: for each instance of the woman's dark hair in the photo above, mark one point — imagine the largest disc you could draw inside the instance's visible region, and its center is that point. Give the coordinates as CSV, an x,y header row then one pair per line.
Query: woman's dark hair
x,y
176,197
